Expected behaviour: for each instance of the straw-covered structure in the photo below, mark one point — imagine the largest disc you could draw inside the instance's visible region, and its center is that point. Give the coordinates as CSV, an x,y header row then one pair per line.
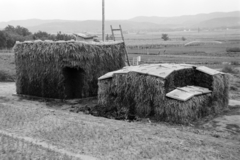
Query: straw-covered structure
x,y
64,69
141,92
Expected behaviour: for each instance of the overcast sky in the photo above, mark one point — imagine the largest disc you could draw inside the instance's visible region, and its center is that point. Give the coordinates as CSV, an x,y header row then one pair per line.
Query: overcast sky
x,y
114,9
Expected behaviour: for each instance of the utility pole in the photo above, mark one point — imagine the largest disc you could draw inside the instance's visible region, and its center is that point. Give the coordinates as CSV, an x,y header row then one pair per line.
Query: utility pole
x,y
103,21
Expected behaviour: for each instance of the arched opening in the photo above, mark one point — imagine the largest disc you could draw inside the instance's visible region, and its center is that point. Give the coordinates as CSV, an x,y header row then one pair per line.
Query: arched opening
x,y
73,82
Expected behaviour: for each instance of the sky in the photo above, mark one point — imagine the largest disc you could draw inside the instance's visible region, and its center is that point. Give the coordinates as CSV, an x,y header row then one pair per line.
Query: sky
x,y
114,9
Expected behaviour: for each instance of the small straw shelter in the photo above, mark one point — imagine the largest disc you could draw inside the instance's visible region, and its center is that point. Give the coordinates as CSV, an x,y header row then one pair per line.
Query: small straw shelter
x,y
64,69
178,93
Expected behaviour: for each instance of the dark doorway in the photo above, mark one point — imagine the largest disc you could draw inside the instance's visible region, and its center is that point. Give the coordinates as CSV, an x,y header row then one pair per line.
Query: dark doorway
x,y
73,82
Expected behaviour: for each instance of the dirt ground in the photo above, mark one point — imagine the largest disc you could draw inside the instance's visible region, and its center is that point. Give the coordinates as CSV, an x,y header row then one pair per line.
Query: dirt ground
x,y
51,123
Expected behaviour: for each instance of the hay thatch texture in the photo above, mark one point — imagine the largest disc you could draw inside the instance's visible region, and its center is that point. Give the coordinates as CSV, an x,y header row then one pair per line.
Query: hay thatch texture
x,y
142,95
179,78
183,112
131,93
219,84
40,64
220,94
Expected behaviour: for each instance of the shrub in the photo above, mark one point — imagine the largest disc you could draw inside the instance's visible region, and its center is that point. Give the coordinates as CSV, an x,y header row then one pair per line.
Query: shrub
x,y
230,69
235,63
5,77
165,37
233,49
183,39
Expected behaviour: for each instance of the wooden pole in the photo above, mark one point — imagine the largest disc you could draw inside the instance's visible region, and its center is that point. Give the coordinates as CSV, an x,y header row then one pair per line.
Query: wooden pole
x,y
103,21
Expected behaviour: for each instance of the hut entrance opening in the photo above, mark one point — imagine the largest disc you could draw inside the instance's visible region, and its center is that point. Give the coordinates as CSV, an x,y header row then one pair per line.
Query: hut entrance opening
x,y
73,82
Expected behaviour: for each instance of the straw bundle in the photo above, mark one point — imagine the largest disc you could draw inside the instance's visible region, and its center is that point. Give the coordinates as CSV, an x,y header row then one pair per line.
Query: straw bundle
x,y
132,93
40,66
220,94
183,112
219,84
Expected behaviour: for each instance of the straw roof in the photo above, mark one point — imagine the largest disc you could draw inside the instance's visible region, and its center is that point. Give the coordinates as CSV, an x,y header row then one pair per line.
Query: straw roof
x,y
159,70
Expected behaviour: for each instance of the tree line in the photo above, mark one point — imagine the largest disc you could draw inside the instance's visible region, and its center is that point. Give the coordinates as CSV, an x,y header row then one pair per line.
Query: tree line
x,y
10,34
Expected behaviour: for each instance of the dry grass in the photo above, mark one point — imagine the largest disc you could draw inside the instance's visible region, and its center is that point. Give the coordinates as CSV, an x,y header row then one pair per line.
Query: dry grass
x,y
18,149
111,139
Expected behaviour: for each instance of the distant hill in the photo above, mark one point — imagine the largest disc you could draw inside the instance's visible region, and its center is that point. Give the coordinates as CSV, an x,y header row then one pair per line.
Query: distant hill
x,y
28,22
152,19
141,23
219,22
92,26
186,20
68,26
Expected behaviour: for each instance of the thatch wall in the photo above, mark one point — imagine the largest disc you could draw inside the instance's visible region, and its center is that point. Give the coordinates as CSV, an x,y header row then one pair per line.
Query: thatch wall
x,y
131,93
40,66
219,84
180,78
141,95
176,111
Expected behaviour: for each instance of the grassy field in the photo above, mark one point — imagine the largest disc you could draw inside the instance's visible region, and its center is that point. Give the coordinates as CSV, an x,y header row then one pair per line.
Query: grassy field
x,y
213,62
46,130
201,50
58,134
109,139
18,149
232,36
152,48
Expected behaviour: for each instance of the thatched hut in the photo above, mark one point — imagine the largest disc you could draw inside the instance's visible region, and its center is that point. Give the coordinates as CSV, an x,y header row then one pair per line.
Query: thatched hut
x,y
178,93
64,69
